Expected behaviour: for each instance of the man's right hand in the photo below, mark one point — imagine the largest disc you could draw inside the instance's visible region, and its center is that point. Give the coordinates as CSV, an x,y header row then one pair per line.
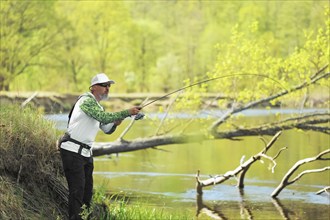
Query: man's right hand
x,y
134,110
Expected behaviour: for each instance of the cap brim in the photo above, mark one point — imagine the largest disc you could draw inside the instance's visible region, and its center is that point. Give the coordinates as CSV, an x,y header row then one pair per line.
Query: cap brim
x,y
109,81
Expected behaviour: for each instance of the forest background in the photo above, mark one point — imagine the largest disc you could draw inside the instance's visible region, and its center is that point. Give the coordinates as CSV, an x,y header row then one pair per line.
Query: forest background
x,y
155,46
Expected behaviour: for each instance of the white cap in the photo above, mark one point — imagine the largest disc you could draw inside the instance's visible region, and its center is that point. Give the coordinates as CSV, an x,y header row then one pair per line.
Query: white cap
x,y
101,78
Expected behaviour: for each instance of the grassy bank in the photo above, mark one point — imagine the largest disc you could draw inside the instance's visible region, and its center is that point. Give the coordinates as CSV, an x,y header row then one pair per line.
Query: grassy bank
x,y
32,184
31,181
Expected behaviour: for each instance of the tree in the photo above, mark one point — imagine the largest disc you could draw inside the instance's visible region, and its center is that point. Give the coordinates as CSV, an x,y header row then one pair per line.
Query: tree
x,y
71,41
27,32
305,69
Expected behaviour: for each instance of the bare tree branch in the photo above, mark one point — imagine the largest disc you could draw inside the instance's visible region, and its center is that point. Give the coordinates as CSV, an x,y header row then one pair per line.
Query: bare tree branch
x,y
213,128
242,168
326,189
309,171
285,181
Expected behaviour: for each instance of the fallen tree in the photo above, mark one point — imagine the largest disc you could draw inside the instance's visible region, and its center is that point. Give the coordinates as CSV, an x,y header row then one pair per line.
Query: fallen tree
x,y
315,122
240,170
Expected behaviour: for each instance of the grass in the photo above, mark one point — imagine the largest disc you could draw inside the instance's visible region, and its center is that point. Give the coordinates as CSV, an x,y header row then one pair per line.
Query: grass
x,y
29,165
114,207
32,184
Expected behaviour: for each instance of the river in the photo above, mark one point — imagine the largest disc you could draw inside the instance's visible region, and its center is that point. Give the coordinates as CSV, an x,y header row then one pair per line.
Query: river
x,y
166,178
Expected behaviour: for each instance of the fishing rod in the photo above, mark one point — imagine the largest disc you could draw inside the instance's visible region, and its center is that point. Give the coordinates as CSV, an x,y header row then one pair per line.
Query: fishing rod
x,y
211,79
140,115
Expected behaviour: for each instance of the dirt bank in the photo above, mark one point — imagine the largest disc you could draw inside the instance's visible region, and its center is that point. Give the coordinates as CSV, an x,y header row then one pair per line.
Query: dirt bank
x,y
51,102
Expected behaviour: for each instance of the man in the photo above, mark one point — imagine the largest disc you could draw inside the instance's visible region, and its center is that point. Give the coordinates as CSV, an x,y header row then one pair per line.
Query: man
x,y
85,119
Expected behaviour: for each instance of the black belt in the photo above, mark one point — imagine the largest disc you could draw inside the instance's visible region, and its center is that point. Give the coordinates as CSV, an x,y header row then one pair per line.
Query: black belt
x,y
66,137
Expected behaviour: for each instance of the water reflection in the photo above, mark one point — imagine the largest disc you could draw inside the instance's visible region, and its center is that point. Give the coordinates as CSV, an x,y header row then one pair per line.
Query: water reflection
x,y
216,212
245,209
284,212
248,209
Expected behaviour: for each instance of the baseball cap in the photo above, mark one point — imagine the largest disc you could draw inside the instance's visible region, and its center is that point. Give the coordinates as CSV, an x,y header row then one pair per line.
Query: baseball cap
x,y
101,78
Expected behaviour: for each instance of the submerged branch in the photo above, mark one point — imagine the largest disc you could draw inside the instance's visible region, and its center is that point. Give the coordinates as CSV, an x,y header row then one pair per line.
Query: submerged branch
x,y
243,167
326,189
286,179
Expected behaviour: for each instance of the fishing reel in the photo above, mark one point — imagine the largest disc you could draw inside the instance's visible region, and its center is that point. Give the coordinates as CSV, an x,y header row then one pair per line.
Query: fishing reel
x,y
139,116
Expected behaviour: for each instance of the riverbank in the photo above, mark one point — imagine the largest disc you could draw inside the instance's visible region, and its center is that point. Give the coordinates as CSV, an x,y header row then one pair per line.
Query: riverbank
x,y
52,102
32,183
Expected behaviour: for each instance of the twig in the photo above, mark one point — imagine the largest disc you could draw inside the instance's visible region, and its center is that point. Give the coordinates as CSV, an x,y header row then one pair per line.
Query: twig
x,y
279,152
166,113
29,99
193,118
121,136
271,159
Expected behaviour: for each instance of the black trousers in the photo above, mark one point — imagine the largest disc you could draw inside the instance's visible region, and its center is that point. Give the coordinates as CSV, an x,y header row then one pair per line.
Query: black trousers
x,y
79,175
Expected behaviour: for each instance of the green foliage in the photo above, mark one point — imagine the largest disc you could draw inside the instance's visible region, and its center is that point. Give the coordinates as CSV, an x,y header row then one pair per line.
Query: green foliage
x,y
253,56
151,46
26,34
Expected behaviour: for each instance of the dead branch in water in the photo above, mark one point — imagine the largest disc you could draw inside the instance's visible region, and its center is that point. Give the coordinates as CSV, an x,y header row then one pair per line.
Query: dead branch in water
x,y
326,190
286,182
242,168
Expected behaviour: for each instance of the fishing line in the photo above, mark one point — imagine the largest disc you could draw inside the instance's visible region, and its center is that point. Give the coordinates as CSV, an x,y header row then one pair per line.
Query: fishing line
x,y
211,79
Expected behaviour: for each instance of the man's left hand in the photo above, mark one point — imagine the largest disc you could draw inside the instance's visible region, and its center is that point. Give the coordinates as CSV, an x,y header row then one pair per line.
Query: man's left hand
x,y
117,123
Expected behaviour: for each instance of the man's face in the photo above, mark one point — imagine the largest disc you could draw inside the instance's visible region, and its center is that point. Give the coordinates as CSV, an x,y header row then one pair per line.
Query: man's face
x,y
101,90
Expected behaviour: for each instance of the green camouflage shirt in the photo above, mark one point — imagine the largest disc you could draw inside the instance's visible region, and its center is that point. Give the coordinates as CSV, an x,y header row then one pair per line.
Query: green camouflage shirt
x,y
93,109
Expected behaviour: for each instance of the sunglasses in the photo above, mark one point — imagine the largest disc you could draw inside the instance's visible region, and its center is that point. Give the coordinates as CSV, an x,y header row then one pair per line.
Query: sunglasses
x,y
104,84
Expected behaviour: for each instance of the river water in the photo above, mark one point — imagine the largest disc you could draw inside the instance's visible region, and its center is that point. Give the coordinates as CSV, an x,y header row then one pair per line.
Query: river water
x,y
166,177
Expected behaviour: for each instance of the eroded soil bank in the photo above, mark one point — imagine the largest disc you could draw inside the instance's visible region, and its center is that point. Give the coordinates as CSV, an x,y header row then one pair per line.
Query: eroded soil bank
x,y
51,102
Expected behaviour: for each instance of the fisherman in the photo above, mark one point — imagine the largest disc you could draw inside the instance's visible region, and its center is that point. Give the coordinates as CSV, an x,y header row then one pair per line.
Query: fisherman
x,y
85,119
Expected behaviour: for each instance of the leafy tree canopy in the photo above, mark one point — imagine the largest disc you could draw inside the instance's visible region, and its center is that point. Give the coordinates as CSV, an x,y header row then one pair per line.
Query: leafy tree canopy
x,y
153,46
